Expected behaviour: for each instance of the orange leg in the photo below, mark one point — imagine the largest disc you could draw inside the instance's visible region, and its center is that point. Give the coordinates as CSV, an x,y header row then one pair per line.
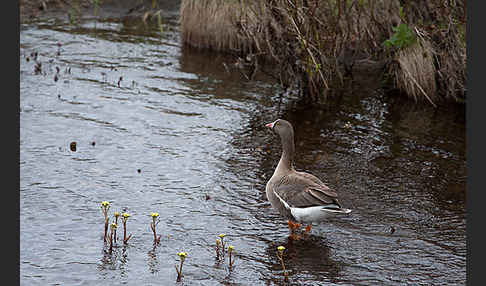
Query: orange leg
x,y
293,226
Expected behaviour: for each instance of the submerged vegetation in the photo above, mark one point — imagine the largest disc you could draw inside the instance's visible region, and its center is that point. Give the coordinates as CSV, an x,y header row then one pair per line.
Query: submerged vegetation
x,y
419,46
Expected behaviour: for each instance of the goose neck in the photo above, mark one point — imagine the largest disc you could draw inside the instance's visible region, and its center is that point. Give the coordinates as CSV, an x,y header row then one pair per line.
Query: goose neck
x,y
287,159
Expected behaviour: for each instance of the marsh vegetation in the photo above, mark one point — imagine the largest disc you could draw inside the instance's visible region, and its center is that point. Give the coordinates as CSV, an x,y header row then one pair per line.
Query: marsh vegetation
x,y
417,47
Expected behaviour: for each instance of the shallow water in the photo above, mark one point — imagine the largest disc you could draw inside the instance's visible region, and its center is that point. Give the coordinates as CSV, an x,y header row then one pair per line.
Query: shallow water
x,y
195,131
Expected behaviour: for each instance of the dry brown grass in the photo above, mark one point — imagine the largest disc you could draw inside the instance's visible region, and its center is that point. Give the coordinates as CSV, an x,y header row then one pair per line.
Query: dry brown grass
x,y
415,72
211,24
310,40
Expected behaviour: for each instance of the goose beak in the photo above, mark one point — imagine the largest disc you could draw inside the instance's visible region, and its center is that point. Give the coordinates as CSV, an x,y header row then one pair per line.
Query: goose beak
x,y
269,125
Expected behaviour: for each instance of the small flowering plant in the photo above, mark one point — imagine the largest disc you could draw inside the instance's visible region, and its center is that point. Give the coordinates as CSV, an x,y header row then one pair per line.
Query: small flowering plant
x,y
221,237
230,254
113,229
280,253
220,245
182,257
125,217
105,206
218,248
116,214
153,224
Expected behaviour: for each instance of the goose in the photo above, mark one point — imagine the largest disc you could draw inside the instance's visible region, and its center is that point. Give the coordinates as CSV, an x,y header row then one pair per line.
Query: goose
x,y
300,197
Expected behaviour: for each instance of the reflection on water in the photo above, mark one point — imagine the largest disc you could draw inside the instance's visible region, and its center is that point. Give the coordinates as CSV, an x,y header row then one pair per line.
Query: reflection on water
x,y
184,136
309,259
152,261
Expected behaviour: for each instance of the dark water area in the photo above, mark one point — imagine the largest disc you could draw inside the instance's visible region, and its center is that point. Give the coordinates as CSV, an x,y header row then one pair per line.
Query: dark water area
x,y
184,136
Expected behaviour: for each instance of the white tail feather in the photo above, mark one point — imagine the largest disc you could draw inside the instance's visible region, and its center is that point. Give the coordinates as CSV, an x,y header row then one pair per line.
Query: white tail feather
x,y
315,214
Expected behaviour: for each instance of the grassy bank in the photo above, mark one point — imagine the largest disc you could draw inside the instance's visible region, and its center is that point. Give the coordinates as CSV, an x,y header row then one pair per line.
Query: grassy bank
x,y
419,46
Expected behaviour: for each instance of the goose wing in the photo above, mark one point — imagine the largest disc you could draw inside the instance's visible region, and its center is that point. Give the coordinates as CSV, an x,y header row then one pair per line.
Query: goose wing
x,y
298,191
